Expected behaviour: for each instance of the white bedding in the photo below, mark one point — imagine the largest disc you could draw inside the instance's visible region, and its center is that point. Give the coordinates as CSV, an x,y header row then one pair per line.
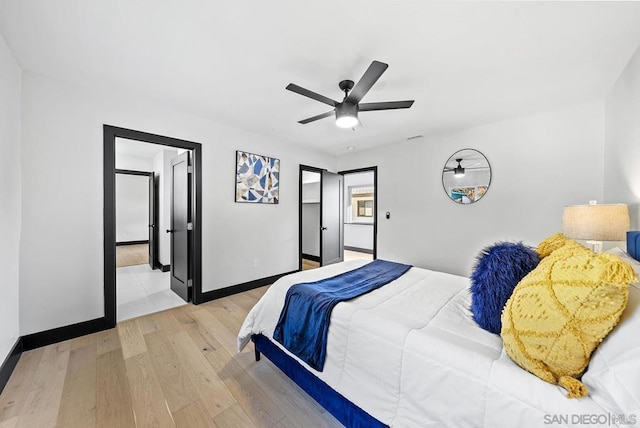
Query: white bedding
x,y
410,355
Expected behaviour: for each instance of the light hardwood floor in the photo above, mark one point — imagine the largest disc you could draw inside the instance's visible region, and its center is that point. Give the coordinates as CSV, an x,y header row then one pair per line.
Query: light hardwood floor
x,y
177,368
131,255
309,264
348,255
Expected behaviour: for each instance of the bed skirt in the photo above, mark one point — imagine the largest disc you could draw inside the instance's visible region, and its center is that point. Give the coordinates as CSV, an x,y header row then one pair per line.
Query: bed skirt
x,y
342,409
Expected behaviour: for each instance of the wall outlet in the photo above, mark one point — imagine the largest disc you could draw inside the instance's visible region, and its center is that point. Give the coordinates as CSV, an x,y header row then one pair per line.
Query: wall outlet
x,y
256,263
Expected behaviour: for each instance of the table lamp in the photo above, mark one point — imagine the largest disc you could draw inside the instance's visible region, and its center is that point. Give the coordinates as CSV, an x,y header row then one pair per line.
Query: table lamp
x,y
596,223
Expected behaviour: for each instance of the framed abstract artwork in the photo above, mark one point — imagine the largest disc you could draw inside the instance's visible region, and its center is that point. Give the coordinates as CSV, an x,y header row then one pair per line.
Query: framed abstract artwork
x,y
257,178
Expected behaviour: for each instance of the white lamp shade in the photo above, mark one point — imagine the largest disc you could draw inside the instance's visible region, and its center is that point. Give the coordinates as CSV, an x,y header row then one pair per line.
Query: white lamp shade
x,y
599,222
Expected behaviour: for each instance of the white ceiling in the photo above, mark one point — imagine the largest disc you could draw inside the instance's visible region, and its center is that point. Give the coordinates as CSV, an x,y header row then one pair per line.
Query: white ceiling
x,y
464,63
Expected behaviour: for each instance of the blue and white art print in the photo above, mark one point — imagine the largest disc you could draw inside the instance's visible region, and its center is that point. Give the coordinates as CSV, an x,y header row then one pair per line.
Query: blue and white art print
x,y
257,178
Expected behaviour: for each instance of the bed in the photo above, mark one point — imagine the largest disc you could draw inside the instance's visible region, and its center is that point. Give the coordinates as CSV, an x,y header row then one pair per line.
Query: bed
x,y
409,354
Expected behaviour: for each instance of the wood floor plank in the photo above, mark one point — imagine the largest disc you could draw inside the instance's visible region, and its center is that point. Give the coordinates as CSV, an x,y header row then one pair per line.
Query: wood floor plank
x,y
78,403
107,341
11,423
177,388
286,422
193,416
150,407
167,322
210,348
86,340
236,417
131,255
20,383
113,396
257,293
210,388
218,330
148,324
198,332
229,311
43,401
301,410
179,367
131,339
256,403
309,264
243,301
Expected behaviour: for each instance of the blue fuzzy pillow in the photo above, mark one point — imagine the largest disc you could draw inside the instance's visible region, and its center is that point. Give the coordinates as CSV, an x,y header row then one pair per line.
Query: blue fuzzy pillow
x,y
499,268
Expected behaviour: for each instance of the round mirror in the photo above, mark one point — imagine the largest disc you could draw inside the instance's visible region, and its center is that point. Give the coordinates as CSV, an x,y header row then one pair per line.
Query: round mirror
x,y
466,176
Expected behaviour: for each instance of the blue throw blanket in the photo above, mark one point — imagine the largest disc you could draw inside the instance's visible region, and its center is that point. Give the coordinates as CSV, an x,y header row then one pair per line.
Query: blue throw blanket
x,y
304,320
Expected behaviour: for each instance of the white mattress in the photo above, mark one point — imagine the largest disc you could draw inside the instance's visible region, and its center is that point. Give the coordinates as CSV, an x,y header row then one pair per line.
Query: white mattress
x,y
410,355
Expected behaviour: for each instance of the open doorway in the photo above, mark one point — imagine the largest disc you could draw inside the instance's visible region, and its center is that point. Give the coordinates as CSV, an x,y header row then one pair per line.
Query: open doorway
x,y
310,218
320,218
338,219
143,213
136,213
360,213
179,261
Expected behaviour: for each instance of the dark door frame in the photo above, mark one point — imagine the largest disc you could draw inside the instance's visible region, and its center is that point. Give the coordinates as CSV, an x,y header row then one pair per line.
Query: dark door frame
x,y
110,133
373,169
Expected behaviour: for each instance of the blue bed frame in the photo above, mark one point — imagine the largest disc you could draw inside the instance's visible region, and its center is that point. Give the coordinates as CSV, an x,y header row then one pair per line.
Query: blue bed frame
x,y
342,409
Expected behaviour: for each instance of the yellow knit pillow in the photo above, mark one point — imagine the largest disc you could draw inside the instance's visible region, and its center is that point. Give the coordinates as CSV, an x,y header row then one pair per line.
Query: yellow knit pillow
x,y
560,312
551,244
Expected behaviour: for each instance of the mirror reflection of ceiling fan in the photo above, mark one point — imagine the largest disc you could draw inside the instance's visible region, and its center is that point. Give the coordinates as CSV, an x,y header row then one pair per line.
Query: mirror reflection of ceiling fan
x,y
346,112
459,170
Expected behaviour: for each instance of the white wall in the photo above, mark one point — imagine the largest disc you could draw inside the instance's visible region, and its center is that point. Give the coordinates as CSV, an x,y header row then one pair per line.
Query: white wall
x,y
358,236
311,229
10,198
622,136
539,163
131,162
311,214
61,252
132,207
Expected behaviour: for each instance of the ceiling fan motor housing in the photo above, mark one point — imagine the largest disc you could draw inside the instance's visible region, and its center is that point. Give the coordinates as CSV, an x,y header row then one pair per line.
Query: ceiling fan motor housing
x,y
346,86
346,109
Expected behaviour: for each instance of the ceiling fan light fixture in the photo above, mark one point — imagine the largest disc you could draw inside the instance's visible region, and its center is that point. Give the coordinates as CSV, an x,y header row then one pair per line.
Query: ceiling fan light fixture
x,y
458,171
346,115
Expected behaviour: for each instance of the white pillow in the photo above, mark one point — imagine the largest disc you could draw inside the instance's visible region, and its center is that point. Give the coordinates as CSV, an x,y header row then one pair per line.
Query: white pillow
x,y
613,375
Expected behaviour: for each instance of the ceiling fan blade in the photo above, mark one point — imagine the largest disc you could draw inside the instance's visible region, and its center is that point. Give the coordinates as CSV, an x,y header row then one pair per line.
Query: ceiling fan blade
x,y
314,118
307,93
473,164
368,79
387,105
466,168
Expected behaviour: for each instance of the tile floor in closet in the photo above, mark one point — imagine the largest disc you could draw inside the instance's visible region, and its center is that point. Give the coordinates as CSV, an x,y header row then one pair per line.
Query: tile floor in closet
x,y
141,291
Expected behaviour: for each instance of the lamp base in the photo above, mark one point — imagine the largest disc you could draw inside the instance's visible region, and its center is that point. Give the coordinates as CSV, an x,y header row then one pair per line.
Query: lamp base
x,y
596,246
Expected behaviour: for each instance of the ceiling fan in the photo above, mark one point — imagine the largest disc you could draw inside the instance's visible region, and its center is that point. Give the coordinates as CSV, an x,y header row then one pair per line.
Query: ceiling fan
x,y
459,170
346,112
